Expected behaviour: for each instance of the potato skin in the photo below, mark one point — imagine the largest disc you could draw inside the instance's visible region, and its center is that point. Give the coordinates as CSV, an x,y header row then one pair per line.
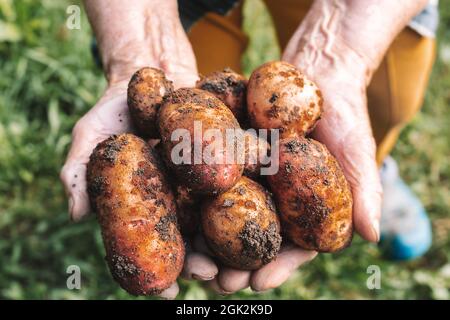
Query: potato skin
x,y
188,210
241,226
255,146
180,110
146,90
188,204
231,88
281,97
312,196
137,214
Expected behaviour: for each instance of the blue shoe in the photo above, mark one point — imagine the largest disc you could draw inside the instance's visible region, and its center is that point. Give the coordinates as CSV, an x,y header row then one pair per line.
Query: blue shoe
x,y
405,227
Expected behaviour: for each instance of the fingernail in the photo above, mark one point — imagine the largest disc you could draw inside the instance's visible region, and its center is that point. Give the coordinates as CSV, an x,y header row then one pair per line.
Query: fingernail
x,y
259,291
376,229
224,293
202,278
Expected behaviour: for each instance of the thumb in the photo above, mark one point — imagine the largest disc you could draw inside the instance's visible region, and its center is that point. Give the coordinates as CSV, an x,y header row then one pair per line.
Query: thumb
x,y
360,168
355,152
73,173
109,116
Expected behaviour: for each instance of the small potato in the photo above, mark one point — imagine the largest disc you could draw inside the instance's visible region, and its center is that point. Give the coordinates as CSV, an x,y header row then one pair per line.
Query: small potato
x,y
188,205
241,226
183,111
255,148
231,88
188,212
136,210
146,90
281,97
312,196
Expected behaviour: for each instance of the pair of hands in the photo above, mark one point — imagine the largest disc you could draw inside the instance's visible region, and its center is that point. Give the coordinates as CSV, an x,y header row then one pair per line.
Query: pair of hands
x,y
344,128
338,45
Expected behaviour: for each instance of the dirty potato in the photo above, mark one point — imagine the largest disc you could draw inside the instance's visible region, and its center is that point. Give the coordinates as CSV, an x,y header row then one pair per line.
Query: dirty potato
x,y
281,97
146,90
201,161
241,226
231,88
312,196
255,148
188,204
188,212
137,213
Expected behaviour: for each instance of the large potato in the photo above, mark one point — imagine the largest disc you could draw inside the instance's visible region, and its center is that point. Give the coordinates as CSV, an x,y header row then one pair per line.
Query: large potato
x,y
231,88
137,214
281,97
312,196
241,226
185,109
146,90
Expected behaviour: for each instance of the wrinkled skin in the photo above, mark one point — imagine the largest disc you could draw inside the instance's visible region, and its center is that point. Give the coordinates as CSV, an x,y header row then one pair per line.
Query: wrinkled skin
x,y
241,226
312,196
136,209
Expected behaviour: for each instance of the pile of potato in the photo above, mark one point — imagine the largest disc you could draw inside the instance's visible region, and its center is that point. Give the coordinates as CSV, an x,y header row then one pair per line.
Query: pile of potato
x,y
145,202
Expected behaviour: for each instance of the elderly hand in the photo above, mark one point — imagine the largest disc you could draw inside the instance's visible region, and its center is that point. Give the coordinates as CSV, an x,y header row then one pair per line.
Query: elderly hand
x,y
342,75
345,129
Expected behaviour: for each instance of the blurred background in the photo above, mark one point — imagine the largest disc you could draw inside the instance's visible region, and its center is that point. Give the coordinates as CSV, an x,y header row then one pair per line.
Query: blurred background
x,y
48,79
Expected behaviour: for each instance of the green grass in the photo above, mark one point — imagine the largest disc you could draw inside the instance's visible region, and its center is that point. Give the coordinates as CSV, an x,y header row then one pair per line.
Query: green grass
x,y
48,80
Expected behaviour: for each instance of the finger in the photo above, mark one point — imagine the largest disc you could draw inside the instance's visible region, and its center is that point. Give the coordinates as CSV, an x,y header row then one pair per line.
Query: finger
x,y
73,177
171,292
364,179
232,280
367,209
73,173
279,270
199,267
355,150
357,158
107,118
214,286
